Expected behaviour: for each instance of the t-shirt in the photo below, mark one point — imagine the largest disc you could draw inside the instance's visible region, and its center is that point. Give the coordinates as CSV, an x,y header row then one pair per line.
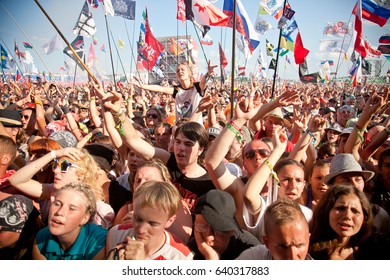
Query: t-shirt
x,y
187,101
118,195
90,241
189,188
260,252
239,242
173,249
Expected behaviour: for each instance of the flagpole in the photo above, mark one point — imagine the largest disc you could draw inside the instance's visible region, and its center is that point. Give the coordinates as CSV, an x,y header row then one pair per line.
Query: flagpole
x,y
67,43
132,50
233,60
9,52
120,60
109,46
277,53
342,44
201,45
74,77
28,39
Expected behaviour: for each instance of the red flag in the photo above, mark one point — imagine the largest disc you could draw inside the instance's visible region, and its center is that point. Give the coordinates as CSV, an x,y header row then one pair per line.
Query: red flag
x,y
207,14
370,50
91,56
300,52
181,10
152,48
222,58
359,42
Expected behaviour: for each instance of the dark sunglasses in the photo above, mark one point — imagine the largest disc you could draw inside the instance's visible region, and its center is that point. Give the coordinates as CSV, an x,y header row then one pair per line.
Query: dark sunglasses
x,y
154,116
25,117
264,153
64,165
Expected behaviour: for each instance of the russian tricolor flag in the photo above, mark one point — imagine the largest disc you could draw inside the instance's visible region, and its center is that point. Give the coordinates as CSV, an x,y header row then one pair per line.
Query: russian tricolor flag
x,y
375,11
243,23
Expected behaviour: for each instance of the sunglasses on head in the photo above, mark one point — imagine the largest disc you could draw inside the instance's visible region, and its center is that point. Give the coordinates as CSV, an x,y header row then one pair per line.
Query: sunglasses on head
x,y
64,165
154,116
264,153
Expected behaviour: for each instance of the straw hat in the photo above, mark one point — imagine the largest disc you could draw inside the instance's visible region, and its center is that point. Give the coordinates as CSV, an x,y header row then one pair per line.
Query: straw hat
x,y
277,113
346,163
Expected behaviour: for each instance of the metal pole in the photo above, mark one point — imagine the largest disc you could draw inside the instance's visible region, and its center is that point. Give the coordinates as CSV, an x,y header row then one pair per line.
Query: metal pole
x,y
233,60
109,46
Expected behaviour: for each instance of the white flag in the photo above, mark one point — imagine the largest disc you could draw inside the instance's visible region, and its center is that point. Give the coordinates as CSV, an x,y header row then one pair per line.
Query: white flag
x,y
53,45
108,9
28,58
85,26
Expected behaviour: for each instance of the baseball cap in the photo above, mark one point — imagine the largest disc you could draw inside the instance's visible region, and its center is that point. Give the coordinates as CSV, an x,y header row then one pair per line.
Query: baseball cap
x,y
219,210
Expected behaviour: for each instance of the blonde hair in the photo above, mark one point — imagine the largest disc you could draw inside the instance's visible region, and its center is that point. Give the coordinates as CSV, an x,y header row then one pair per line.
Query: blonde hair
x,y
87,192
159,195
89,171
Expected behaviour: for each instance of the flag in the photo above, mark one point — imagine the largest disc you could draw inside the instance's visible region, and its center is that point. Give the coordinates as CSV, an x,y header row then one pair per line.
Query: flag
x,y
28,59
269,47
206,40
272,6
94,40
4,57
152,48
122,8
288,59
272,64
356,73
300,52
62,68
108,8
121,44
243,23
359,43
18,52
304,77
188,14
93,3
78,46
338,29
377,11
366,67
52,45
384,49
333,45
284,52
288,13
370,50
67,67
174,47
102,48
330,62
85,25
206,13
27,45
223,62
91,56
289,29
18,75
242,45
286,44
261,25
260,59
385,39
241,70
345,56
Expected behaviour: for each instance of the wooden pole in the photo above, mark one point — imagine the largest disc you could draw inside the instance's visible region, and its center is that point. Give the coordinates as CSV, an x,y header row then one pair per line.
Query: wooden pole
x,y
67,43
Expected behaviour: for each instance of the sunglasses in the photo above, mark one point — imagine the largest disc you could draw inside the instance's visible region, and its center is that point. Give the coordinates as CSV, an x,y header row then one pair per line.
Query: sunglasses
x,y
64,165
264,153
204,228
154,116
26,117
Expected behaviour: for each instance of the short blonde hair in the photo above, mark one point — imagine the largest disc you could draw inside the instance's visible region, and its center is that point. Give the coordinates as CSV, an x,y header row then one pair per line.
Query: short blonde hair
x,y
159,195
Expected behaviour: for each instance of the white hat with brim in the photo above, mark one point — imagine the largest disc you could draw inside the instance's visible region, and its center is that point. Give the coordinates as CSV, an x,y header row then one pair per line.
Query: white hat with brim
x,y
277,113
346,163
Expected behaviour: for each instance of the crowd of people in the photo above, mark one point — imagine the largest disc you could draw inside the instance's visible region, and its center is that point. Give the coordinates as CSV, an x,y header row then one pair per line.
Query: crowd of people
x,y
177,172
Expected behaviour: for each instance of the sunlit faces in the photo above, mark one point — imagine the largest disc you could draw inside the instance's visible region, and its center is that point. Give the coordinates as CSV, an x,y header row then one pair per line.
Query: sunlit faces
x,y
68,213
162,136
62,178
146,174
254,154
346,217
332,135
292,181
25,118
219,241
186,151
353,178
270,124
316,181
288,241
182,72
83,114
149,223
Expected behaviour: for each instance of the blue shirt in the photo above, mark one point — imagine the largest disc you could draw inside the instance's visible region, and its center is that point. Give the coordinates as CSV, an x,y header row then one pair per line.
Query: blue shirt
x,y
91,239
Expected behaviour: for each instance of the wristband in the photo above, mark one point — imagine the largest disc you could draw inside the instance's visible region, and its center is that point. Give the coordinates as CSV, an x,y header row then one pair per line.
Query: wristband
x,y
237,133
38,103
235,125
311,135
269,165
360,131
53,154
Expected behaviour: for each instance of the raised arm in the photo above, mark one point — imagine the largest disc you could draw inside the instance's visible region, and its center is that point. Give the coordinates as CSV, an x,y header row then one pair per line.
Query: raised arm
x,y
210,72
257,181
155,88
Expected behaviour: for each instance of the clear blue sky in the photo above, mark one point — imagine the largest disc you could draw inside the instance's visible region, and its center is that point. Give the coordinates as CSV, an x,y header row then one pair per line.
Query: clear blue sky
x,y
311,17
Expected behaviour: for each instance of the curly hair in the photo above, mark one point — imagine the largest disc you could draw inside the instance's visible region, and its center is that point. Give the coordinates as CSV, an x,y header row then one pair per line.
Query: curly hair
x,y
323,237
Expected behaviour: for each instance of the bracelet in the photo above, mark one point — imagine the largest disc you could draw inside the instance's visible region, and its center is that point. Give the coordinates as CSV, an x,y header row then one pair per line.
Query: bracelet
x,y
311,135
38,103
273,173
53,154
235,125
360,132
93,98
237,133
